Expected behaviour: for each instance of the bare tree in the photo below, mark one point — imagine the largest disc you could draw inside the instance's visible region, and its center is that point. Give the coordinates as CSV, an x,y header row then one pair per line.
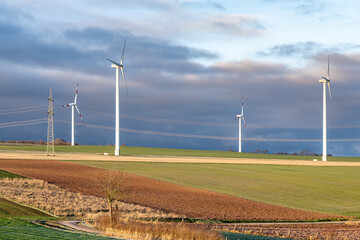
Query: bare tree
x,y
112,184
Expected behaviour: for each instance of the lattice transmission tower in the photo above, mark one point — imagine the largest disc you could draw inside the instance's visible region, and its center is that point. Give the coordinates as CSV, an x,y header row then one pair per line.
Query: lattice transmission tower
x,y
50,148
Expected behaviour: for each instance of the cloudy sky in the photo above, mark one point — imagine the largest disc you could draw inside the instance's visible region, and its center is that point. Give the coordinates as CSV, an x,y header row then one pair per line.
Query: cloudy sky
x,y
187,64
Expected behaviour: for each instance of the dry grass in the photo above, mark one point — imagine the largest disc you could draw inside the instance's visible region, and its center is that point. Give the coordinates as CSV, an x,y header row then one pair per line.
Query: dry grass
x,y
140,230
64,203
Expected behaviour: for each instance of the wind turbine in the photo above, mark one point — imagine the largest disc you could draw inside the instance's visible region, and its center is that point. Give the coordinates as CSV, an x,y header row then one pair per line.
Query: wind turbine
x,y
241,117
324,81
118,66
73,105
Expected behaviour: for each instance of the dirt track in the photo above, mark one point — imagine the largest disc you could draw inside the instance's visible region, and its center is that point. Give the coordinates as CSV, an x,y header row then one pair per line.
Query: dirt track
x,y
99,157
191,202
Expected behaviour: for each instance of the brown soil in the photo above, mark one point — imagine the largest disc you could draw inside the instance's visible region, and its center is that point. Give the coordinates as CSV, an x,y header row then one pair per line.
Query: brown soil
x,y
193,203
338,231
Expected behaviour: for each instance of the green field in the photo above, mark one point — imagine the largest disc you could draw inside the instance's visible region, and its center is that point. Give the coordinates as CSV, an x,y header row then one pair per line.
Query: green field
x,y
4,174
239,236
16,229
140,151
334,190
61,148
11,209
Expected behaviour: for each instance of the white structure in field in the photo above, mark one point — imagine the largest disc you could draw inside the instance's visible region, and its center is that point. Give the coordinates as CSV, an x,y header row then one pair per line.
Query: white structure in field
x,y
325,81
117,104
73,105
241,117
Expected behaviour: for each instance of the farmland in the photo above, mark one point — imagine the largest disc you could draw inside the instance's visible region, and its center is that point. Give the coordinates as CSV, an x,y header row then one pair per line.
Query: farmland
x,y
147,151
334,190
178,199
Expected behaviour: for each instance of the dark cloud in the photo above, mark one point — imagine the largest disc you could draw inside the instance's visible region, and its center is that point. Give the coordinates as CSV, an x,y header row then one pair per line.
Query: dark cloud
x,y
90,47
151,54
21,46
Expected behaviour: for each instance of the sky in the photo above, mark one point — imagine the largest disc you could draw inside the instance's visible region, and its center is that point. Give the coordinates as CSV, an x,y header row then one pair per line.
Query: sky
x,y
187,65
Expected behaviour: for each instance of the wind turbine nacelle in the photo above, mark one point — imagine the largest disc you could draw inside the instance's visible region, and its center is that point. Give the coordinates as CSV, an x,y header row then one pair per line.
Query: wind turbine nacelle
x,y
324,80
238,116
72,104
114,66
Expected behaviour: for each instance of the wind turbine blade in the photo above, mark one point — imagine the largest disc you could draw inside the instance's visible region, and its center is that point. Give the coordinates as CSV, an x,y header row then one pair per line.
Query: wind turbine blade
x,y
122,55
242,106
123,74
82,120
243,118
329,90
76,93
65,105
117,64
328,75
247,130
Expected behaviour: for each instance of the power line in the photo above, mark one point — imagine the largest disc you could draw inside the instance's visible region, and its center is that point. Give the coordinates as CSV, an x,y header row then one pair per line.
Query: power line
x,y
165,120
169,134
19,122
216,124
22,108
23,111
23,123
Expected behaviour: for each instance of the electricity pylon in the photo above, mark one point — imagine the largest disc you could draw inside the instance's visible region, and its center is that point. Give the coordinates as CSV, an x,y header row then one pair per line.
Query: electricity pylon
x,y
50,148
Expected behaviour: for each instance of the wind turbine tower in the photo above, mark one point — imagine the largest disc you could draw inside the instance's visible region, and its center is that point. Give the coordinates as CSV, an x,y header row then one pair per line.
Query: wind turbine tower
x,y
241,117
325,81
118,66
73,106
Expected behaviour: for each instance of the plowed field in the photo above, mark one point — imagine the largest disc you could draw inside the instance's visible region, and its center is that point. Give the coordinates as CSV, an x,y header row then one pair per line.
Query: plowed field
x,y
193,203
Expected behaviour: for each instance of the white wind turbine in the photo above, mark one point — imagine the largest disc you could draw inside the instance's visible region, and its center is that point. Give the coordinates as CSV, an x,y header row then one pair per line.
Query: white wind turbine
x,y
324,81
117,104
241,117
73,105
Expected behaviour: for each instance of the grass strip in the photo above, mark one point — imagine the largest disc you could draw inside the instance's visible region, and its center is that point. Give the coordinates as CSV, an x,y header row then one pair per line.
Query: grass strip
x,y
11,229
145,151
